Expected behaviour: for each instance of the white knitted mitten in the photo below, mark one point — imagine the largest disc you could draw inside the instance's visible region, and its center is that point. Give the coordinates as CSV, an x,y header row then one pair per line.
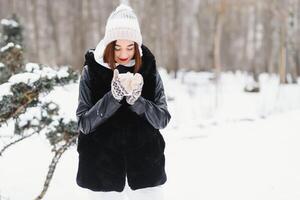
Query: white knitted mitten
x,y
117,90
136,84
125,81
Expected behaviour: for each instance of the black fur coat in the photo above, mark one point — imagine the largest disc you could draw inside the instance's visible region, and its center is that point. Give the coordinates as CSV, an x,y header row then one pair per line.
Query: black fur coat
x,y
117,139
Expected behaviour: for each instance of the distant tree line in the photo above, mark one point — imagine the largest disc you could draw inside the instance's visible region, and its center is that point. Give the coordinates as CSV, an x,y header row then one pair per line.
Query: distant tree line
x,y
215,35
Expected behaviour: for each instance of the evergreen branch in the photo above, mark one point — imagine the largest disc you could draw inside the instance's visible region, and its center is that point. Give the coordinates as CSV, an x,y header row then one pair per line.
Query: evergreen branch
x,y
29,97
18,140
24,95
58,153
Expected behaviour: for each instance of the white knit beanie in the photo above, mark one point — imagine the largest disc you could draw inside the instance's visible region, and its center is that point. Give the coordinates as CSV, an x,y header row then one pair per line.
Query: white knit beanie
x,y
121,24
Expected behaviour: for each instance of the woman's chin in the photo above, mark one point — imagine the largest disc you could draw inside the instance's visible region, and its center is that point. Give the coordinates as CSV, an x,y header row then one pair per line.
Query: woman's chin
x,y
123,63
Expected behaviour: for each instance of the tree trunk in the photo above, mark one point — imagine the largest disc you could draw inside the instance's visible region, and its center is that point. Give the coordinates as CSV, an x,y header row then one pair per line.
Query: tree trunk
x,y
217,43
54,31
36,30
282,56
254,66
217,46
79,33
297,62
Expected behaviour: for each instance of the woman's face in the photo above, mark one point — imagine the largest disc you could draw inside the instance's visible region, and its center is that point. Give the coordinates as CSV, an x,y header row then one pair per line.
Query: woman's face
x,y
124,51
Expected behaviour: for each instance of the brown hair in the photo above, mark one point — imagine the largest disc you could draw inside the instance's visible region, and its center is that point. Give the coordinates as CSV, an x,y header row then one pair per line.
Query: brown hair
x,y
109,56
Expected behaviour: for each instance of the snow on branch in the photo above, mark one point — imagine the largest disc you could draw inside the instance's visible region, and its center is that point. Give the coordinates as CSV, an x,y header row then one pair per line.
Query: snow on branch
x,y
23,89
9,22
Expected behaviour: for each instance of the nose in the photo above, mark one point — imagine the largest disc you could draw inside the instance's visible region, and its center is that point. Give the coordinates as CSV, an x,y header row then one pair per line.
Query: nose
x,y
123,54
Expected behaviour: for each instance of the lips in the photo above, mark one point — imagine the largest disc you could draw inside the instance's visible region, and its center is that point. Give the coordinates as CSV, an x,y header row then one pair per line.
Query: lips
x,y
123,59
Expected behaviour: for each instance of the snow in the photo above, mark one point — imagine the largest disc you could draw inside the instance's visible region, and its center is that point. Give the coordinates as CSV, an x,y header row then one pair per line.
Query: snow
x,y
32,115
2,65
197,99
67,102
244,160
45,71
30,67
245,148
5,90
26,77
34,72
63,72
9,22
7,130
52,106
7,46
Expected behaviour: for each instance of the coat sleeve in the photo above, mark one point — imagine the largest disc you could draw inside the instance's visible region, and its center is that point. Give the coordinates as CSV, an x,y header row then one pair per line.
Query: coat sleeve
x,y
90,116
156,112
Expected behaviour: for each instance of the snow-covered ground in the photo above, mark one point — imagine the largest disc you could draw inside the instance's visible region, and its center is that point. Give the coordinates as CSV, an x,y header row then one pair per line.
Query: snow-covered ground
x,y
246,148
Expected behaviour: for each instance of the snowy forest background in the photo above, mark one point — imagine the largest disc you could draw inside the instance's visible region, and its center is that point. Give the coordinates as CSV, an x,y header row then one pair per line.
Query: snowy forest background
x,y
231,73
253,35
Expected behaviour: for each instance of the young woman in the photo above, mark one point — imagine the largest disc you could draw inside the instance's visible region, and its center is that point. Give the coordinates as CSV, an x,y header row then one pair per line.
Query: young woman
x,y
121,107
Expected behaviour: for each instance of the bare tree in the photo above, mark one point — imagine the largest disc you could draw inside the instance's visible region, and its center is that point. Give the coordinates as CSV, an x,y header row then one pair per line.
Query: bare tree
x,y
54,30
36,29
198,34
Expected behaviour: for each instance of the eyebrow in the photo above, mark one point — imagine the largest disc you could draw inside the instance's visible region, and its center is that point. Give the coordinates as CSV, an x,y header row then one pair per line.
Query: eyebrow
x,y
127,46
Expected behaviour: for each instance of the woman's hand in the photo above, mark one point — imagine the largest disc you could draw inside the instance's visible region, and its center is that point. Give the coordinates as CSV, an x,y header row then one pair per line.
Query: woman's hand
x,y
136,84
128,85
117,89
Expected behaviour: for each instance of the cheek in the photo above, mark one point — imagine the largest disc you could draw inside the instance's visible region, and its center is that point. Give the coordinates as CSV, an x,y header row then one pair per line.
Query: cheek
x,y
131,54
117,54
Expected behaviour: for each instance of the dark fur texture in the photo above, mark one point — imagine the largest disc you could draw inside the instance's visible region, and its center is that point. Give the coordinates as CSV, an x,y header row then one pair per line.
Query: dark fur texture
x,y
124,145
